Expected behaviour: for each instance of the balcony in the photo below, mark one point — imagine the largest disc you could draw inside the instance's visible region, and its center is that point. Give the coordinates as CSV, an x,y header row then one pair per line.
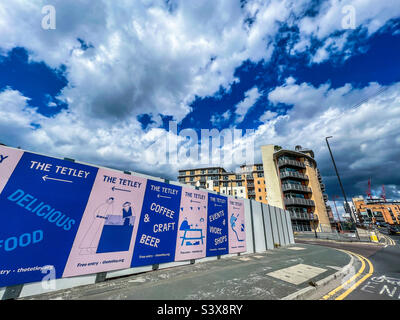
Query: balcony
x,y
250,185
299,202
251,193
291,174
288,162
249,177
322,187
295,187
325,197
303,216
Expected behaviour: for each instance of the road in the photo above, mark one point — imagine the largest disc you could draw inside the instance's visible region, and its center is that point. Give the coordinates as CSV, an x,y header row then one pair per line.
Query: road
x,y
376,274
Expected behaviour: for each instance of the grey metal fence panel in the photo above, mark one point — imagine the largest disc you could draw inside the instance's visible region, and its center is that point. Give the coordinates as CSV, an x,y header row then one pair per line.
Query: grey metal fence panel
x,y
268,227
274,224
279,224
284,227
259,235
290,228
249,227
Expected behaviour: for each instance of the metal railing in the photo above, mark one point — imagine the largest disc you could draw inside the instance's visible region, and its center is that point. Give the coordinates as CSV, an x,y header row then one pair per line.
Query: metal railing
x,y
303,216
299,201
297,187
291,174
348,236
295,163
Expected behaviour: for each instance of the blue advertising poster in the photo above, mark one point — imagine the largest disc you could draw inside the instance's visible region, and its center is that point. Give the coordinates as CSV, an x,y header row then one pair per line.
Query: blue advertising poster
x,y
156,236
41,208
217,225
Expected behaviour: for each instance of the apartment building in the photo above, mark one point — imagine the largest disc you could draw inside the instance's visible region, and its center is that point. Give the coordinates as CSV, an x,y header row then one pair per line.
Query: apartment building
x,y
377,210
288,179
293,182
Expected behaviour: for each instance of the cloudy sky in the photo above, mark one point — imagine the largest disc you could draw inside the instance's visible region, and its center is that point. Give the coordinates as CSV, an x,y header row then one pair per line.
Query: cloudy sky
x,y
103,85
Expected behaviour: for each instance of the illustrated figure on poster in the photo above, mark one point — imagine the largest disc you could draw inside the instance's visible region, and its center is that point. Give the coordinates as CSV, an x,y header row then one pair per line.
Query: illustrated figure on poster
x,y
128,214
91,239
191,234
232,221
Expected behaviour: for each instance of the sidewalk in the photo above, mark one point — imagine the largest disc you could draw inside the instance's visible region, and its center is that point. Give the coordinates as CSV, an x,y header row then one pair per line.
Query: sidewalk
x,y
272,275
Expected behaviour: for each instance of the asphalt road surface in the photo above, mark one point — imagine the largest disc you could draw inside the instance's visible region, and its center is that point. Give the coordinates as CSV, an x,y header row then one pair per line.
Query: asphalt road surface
x,y
376,274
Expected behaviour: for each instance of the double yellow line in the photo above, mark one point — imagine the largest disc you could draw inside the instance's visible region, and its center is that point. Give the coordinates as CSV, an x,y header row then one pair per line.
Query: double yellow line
x,y
351,281
390,240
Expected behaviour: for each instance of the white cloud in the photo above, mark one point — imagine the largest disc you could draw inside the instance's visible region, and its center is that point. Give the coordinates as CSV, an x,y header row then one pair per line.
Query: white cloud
x,y
220,119
268,115
250,98
327,27
146,57
365,138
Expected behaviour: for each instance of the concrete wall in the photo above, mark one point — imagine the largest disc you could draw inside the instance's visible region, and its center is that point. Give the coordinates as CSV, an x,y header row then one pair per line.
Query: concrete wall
x,y
272,181
265,225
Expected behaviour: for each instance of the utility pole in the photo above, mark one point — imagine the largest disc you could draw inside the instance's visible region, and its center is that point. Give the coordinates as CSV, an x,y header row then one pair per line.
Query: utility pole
x,y
340,183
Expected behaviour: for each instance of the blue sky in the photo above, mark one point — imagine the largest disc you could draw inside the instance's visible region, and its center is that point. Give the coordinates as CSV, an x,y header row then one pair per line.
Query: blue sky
x,y
102,86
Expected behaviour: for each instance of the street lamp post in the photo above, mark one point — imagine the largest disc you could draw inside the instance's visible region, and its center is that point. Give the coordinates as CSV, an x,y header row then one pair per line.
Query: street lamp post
x,y
337,213
340,182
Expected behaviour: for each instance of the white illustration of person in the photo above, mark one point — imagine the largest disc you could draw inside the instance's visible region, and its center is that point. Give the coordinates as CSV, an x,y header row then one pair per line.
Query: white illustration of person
x,y
91,239
128,214
232,221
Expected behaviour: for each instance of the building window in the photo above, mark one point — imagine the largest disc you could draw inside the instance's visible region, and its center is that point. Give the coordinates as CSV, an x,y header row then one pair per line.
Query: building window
x,y
239,183
260,198
260,174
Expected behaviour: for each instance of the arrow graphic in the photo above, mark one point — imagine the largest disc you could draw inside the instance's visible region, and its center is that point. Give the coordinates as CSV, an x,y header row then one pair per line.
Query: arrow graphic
x,y
46,177
194,201
158,196
114,188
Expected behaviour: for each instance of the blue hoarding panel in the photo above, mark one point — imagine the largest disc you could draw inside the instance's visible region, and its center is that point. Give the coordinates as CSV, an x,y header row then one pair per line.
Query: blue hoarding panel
x,y
41,207
217,225
156,236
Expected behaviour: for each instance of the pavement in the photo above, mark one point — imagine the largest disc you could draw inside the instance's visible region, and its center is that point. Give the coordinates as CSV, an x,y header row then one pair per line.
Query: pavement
x,y
287,273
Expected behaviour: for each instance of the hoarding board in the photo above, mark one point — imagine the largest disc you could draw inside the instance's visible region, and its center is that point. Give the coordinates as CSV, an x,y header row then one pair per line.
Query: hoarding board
x,y
217,225
237,226
191,240
41,208
156,237
107,233
73,219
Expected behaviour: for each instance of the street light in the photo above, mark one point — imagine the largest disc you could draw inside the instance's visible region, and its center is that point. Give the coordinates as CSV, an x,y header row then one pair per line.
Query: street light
x,y
340,182
339,224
